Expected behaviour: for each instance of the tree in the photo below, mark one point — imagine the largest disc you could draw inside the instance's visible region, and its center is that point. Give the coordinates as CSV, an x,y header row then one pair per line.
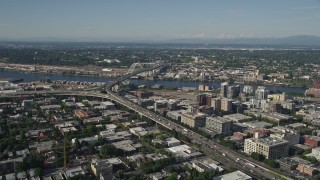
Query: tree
x,y
271,163
34,160
153,166
257,156
59,161
22,136
38,172
101,141
311,159
120,173
307,151
77,144
108,150
173,176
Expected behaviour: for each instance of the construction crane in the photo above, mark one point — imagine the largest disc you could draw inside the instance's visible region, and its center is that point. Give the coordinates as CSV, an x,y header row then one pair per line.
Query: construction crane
x,y
64,153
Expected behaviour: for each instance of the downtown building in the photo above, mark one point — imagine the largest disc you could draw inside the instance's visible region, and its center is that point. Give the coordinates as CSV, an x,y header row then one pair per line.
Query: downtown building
x,y
271,148
193,120
219,125
261,93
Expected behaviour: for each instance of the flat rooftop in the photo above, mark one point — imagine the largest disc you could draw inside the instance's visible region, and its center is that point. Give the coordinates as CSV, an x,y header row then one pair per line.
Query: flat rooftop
x,y
237,117
237,175
269,141
219,119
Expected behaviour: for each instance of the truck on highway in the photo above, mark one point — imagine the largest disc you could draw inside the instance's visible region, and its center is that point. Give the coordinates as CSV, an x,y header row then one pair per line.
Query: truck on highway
x,y
186,130
250,164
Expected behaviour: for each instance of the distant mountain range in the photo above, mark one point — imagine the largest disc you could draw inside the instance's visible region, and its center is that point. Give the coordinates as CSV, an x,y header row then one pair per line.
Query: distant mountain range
x,y
297,41
303,40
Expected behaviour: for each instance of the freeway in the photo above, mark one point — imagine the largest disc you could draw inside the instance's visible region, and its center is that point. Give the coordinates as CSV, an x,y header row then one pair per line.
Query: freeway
x,y
211,148
224,155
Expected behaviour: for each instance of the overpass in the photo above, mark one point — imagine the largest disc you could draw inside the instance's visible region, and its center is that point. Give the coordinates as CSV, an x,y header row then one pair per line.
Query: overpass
x,y
127,76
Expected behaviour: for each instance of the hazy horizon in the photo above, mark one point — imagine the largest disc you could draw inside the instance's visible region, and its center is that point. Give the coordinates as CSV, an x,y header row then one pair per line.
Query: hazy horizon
x,y
157,20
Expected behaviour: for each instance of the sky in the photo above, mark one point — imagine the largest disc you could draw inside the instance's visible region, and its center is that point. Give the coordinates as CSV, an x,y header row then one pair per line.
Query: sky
x,y
157,19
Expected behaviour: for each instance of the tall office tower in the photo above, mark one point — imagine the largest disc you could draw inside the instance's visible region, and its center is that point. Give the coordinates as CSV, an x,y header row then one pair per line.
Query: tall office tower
x,y
201,98
224,89
216,104
204,99
233,91
226,104
247,89
261,93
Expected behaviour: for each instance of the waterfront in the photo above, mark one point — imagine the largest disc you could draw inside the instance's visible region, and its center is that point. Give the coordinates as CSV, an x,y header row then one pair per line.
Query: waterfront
x,y
29,77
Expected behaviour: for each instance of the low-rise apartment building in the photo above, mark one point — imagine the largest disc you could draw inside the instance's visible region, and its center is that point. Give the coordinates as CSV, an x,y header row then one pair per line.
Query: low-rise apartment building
x,y
271,148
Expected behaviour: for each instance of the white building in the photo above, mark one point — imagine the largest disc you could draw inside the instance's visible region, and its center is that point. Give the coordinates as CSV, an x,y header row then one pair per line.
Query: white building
x,y
247,89
315,153
261,93
175,115
107,105
172,142
271,148
237,175
184,151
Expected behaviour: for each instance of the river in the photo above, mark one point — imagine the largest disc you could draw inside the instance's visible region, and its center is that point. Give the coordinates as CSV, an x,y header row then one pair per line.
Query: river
x,y
28,77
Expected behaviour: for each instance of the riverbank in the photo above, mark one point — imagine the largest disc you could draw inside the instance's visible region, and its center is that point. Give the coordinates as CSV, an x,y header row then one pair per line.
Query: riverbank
x,y
167,83
97,72
65,70
237,82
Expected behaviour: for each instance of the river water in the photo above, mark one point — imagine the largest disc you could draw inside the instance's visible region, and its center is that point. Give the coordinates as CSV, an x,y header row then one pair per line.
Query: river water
x,y
28,77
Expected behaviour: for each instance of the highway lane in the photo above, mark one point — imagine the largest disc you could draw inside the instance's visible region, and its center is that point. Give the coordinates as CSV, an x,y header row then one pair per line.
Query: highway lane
x,y
222,154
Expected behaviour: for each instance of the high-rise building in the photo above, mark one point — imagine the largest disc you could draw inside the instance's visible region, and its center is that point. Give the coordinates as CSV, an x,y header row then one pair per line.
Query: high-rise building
x,y
261,93
216,104
278,97
247,89
201,98
233,91
224,89
204,99
226,104
237,107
